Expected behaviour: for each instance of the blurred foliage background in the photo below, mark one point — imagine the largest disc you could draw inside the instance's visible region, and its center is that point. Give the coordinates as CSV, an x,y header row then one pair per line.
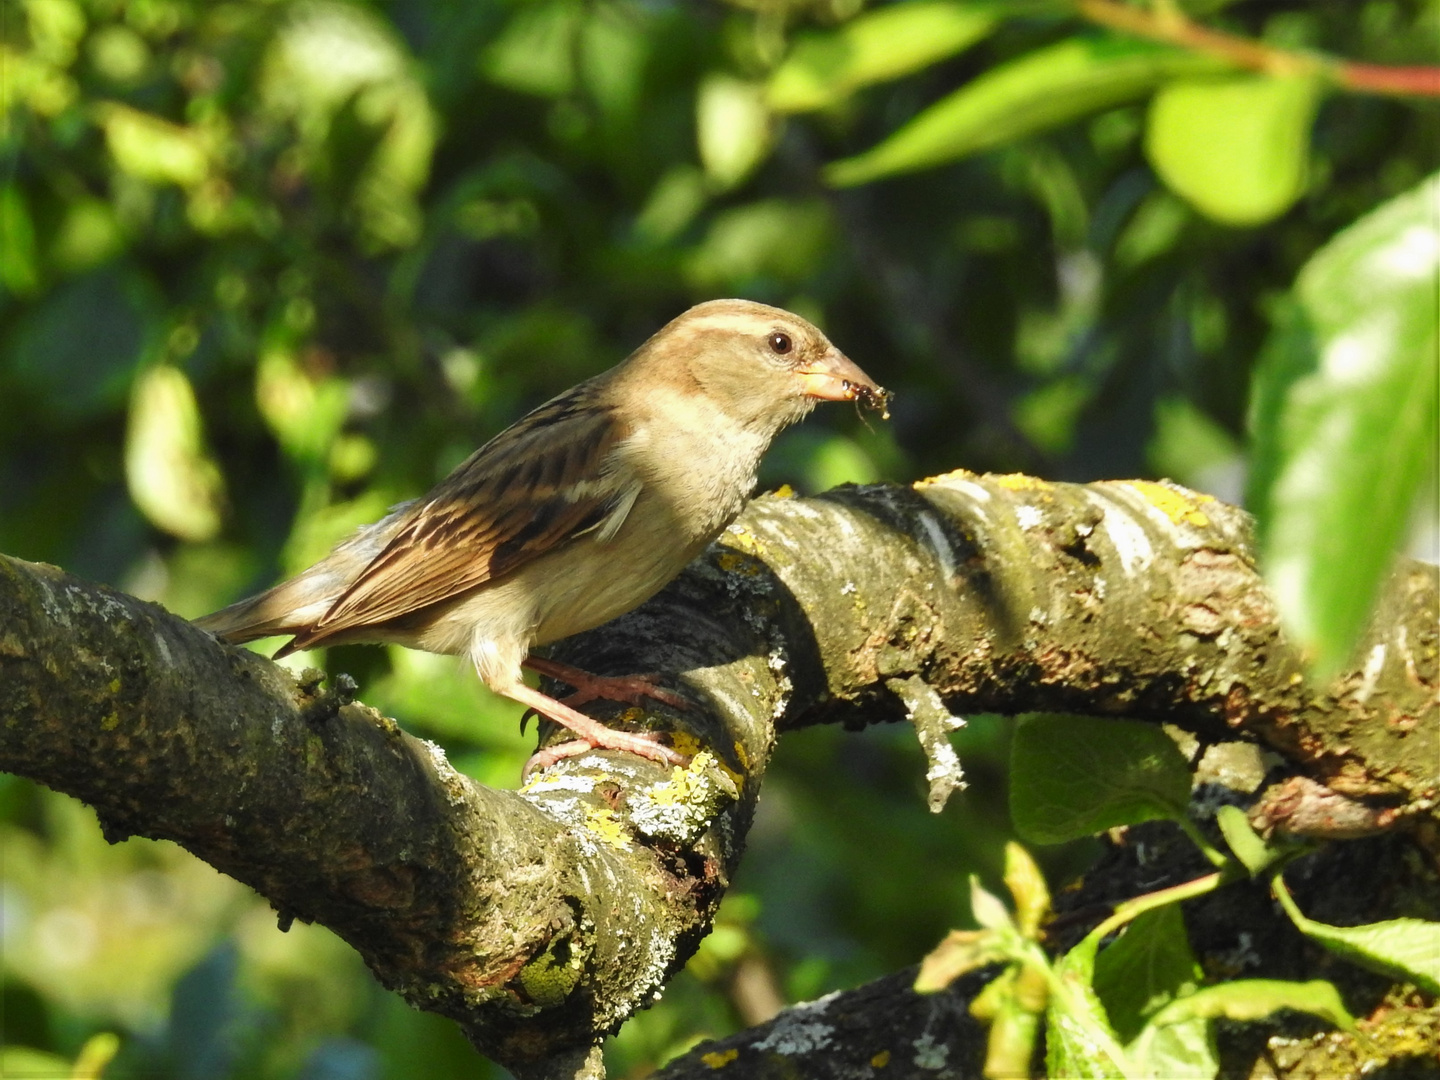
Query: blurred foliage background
x,y
270,266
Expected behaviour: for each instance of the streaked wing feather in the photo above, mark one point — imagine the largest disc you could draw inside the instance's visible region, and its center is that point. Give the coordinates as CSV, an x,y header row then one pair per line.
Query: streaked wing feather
x,y
549,478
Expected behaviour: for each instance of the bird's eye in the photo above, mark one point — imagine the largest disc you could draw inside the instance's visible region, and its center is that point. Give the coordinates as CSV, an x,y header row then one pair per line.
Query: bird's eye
x,y
780,343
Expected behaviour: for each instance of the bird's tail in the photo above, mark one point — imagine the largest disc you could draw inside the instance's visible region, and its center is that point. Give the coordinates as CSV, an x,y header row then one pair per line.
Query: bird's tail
x,y
298,603
292,607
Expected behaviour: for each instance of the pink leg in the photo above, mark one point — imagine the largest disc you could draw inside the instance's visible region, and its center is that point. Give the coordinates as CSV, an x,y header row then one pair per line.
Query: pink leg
x,y
592,734
630,689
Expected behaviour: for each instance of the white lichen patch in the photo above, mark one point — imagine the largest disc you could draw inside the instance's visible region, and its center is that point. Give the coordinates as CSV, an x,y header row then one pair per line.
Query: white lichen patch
x,y
1374,664
1029,517
800,1029
681,808
960,481
1132,546
584,784
939,543
929,1054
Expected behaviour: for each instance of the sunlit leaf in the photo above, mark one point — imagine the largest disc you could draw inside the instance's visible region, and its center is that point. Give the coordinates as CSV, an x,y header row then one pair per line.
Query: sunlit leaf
x,y
732,126
1400,948
1235,148
88,235
881,44
154,149
336,60
535,53
783,239
1039,91
1242,839
1027,885
989,910
1071,776
305,413
1079,1041
171,478
1243,999
1344,414
960,952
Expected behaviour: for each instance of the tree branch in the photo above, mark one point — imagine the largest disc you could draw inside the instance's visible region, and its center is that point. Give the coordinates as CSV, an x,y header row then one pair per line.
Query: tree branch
x,y
539,920
1172,27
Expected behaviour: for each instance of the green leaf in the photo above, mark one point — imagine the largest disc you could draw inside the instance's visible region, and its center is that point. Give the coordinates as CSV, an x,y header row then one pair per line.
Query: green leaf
x,y
1243,840
988,908
1146,968
1235,148
1039,91
959,952
1071,776
171,478
732,126
1244,999
1027,885
1079,1041
153,148
1401,948
18,271
823,68
1344,412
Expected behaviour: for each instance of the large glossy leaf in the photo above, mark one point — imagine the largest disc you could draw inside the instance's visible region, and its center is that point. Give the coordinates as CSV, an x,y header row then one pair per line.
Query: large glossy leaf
x,y
1235,148
1041,90
1344,414
1071,776
883,44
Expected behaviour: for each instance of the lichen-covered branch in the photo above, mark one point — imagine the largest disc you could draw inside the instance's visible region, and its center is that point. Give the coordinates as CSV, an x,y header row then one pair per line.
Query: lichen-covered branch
x,y
541,919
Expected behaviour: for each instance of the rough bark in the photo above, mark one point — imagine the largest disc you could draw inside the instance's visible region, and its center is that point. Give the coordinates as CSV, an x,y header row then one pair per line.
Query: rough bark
x,y
539,920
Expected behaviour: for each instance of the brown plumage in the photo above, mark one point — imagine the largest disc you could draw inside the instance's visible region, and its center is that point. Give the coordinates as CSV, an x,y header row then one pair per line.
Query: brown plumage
x,y
573,515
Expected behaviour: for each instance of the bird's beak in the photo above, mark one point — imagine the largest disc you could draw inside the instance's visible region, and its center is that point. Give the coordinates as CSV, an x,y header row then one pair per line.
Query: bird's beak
x,y
835,377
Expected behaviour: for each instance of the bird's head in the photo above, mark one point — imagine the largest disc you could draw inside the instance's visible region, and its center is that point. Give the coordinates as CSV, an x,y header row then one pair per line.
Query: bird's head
x,y
762,365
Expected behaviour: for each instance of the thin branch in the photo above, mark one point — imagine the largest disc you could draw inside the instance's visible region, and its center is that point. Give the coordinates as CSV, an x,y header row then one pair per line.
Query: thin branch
x,y
1172,27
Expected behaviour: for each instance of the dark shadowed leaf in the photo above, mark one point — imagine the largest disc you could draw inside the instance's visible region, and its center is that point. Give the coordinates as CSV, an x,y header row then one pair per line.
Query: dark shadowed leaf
x,y
1072,776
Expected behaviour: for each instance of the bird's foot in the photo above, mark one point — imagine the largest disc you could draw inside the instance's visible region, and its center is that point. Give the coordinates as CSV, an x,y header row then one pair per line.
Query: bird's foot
x,y
627,689
646,744
592,735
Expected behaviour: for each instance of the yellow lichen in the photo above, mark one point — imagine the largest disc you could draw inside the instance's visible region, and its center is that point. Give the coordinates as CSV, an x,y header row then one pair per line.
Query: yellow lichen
x,y
115,685
881,1059
684,784
1175,504
953,474
784,491
743,540
718,1059
606,827
110,722
685,743
1020,482
548,979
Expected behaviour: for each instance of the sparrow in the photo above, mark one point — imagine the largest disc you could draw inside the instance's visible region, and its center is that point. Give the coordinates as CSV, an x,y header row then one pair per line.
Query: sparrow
x,y
575,514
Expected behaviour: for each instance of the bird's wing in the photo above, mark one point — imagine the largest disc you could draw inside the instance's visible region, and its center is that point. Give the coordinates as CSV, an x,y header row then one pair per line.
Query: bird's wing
x,y
552,477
